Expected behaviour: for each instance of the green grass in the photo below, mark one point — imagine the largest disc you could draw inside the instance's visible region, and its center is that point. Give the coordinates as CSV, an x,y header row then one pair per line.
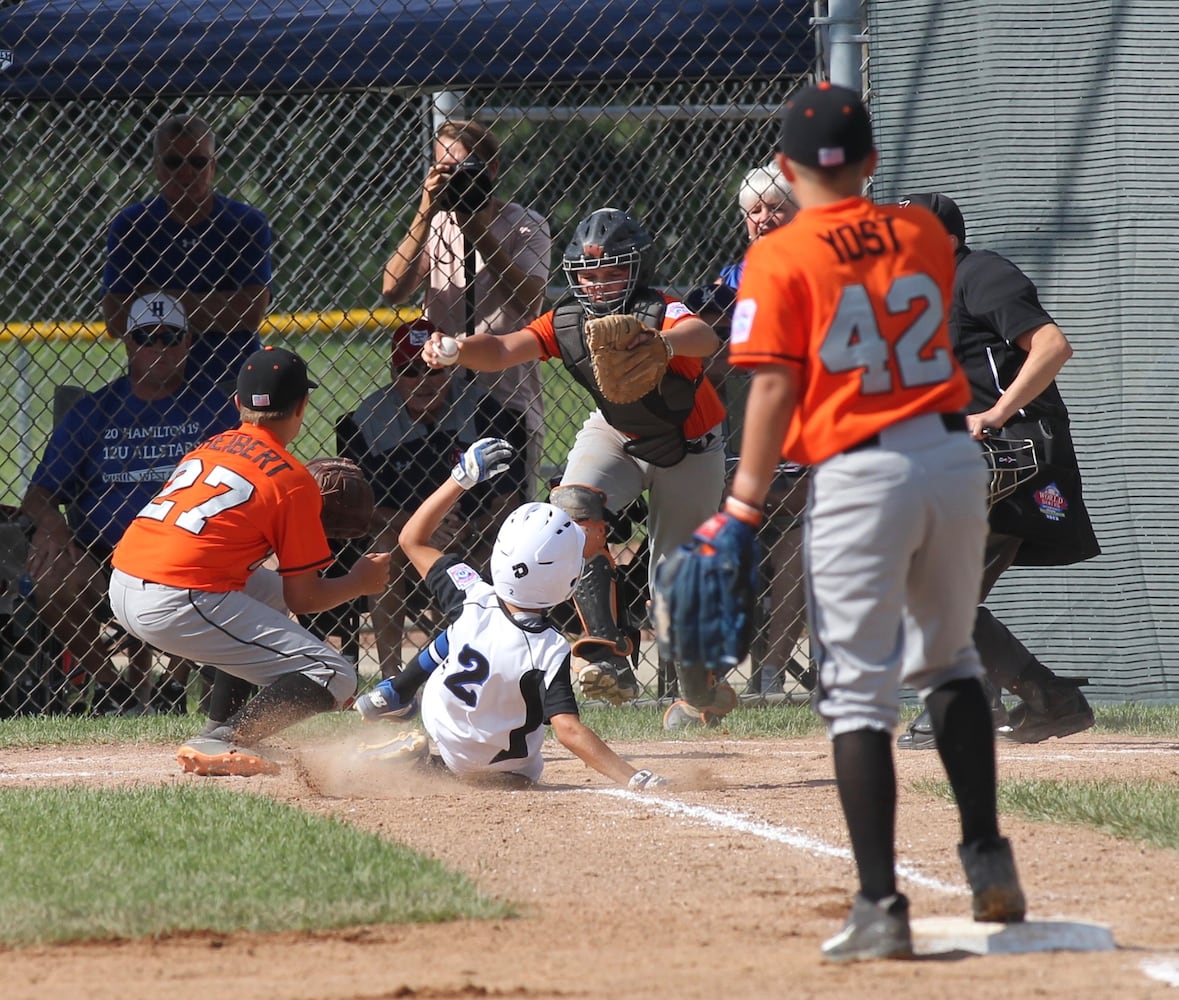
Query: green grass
x,y
629,723
1146,811
84,864
25,732
747,722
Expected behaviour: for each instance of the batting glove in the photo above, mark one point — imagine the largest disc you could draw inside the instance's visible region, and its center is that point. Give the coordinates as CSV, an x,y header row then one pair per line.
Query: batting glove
x,y
643,780
484,460
383,704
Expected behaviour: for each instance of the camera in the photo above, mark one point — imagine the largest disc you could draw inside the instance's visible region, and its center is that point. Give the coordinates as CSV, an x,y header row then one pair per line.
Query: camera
x,y
468,187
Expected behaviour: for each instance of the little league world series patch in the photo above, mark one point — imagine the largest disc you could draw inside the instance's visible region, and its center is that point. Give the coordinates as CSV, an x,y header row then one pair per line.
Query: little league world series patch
x,y
1052,503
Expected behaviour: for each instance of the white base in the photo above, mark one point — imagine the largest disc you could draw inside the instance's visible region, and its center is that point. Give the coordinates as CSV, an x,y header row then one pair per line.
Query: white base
x,y
938,935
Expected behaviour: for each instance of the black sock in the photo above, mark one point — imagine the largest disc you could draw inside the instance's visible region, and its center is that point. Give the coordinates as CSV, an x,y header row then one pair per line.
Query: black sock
x,y
227,696
961,719
867,783
290,699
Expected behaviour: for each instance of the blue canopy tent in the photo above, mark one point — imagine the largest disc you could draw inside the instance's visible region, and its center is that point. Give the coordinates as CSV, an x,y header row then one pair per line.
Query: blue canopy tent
x,y
53,50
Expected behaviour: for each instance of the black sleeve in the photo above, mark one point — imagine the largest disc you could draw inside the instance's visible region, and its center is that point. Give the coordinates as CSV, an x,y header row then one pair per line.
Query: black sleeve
x,y
998,294
559,698
447,597
407,682
348,440
493,420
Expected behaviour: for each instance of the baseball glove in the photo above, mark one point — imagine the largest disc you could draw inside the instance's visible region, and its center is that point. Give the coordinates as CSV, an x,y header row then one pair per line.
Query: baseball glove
x,y
347,497
625,375
705,595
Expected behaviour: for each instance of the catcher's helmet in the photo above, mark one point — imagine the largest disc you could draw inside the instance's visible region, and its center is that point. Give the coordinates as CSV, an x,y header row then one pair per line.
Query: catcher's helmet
x,y
537,556
609,237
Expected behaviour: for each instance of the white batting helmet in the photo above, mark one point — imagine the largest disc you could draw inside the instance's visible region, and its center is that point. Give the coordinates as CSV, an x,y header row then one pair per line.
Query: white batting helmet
x,y
537,556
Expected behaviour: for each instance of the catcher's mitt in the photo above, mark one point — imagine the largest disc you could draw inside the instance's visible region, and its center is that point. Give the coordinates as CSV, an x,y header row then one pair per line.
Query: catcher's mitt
x,y
1012,463
625,375
347,497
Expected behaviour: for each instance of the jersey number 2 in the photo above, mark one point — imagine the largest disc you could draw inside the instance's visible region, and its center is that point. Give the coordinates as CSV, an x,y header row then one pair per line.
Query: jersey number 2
x,y
853,339
238,490
466,683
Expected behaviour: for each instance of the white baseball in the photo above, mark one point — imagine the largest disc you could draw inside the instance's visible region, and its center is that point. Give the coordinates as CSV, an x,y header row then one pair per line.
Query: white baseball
x,y
447,350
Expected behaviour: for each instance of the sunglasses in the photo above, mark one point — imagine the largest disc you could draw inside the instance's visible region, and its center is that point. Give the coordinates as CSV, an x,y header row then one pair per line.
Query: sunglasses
x,y
416,369
162,336
174,162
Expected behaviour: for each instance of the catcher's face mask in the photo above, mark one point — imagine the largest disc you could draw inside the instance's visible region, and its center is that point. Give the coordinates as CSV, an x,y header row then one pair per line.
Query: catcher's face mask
x,y
603,290
603,284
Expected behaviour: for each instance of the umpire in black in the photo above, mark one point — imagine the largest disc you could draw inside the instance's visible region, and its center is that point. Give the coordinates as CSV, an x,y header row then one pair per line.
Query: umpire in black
x,y
1012,350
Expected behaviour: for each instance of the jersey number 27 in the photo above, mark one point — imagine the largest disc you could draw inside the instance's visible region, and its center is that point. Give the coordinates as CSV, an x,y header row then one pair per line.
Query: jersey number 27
x,y
235,490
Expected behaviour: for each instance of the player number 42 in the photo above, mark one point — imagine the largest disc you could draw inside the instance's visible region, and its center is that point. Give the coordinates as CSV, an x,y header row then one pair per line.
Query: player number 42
x,y
235,490
853,340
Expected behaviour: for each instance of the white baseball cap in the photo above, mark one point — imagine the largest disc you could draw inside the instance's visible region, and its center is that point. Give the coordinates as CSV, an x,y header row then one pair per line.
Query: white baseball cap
x,y
156,309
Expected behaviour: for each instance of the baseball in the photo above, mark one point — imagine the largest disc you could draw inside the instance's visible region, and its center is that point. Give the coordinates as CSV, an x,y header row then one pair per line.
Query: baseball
x,y
447,350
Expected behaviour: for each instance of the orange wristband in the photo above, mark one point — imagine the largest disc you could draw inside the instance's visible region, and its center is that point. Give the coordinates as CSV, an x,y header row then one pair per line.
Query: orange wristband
x,y
743,511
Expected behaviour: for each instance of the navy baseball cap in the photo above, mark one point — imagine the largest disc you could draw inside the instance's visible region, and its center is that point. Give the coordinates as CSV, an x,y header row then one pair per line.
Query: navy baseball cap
x,y
948,213
273,379
825,125
711,298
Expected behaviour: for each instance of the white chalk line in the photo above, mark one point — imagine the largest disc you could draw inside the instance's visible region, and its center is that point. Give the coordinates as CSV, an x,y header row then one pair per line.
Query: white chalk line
x,y
741,823
1111,752
43,775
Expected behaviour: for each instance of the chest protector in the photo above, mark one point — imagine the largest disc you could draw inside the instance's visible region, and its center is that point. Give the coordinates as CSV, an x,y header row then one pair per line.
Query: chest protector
x,y
657,420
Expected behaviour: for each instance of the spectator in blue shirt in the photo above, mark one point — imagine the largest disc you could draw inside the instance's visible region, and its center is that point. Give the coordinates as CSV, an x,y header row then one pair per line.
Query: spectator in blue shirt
x,y
105,460
210,253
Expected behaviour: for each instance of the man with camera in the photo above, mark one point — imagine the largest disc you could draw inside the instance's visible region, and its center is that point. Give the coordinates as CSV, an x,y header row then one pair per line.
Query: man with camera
x,y
485,266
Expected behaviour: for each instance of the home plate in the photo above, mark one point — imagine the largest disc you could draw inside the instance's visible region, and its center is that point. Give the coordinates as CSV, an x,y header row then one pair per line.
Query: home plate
x,y
937,935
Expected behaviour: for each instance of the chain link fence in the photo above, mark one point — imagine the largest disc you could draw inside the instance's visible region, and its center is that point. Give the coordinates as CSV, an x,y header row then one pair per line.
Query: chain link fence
x,y
324,116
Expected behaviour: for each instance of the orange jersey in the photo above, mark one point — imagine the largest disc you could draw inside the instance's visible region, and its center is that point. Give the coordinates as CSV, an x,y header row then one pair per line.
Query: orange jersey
x,y
708,410
855,296
230,502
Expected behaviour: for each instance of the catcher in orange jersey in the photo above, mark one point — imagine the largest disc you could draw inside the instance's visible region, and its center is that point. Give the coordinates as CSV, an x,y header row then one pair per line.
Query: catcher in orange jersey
x,y
657,426
186,575
842,316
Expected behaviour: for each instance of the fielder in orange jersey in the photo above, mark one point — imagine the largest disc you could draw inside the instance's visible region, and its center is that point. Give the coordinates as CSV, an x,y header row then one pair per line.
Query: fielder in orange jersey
x,y
842,317
188,576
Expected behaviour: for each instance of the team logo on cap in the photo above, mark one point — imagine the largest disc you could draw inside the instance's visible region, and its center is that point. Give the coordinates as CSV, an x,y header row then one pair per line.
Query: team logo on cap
x,y
419,332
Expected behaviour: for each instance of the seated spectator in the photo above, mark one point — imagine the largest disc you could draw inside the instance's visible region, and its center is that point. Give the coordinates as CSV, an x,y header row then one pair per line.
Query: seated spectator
x,y
407,436
104,461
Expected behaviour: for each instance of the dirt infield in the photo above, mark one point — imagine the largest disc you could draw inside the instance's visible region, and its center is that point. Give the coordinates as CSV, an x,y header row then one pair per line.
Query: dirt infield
x,y
723,888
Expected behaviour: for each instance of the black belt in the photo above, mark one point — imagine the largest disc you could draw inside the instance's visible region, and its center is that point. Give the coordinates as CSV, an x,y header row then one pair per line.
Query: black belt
x,y
697,446
950,421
